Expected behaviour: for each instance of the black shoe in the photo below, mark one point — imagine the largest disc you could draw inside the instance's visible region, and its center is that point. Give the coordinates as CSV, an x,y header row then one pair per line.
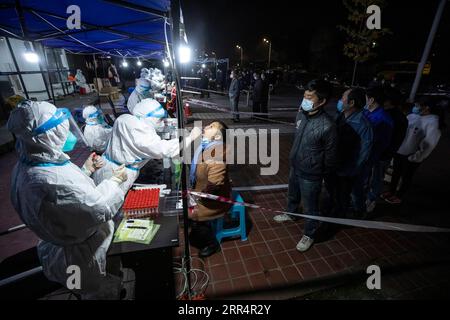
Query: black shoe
x,y
209,250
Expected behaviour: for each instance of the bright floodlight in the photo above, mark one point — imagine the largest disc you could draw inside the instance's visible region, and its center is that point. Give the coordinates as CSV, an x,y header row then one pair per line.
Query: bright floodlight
x,y
31,56
185,54
139,63
166,63
203,65
124,64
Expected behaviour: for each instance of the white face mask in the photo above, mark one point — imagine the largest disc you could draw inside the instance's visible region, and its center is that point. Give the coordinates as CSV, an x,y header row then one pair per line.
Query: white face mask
x,y
307,105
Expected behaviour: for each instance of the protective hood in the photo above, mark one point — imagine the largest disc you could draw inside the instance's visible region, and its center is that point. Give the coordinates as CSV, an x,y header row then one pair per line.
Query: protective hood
x,y
91,115
145,73
44,147
143,86
151,112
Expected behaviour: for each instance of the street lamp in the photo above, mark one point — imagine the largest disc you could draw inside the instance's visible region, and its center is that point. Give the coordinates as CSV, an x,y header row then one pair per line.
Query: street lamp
x,y
270,51
242,54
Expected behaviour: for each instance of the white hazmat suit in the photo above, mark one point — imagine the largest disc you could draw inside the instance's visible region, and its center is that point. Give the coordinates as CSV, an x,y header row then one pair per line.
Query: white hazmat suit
x,y
134,142
96,132
61,203
141,92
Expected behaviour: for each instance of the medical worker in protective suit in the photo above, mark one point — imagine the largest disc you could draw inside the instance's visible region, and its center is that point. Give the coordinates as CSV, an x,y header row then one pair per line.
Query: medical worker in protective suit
x,y
60,202
96,131
140,92
134,141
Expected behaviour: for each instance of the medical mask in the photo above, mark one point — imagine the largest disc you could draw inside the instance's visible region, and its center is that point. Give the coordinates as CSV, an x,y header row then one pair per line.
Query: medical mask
x,y
70,143
307,105
231,76
340,106
205,141
416,109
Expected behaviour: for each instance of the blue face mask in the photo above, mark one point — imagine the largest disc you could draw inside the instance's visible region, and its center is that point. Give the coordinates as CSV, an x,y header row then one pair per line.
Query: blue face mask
x,y
416,109
340,106
307,105
70,143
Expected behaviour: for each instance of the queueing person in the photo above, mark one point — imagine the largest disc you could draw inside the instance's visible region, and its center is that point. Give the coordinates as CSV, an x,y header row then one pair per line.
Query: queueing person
x,y
355,139
96,131
59,201
209,174
134,141
423,134
257,95
382,126
234,92
312,158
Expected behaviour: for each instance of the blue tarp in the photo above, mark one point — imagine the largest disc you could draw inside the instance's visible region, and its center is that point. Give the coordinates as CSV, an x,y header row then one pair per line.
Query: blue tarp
x,y
106,27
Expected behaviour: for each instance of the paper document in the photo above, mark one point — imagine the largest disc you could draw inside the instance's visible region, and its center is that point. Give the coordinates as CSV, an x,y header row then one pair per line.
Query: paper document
x,y
136,230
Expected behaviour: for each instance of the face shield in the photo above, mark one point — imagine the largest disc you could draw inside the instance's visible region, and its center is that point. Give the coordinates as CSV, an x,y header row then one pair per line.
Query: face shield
x,y
95,118
156,118
62,116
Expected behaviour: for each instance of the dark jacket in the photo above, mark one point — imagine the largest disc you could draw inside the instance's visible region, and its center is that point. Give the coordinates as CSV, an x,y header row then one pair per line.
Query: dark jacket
x,y
234,90
355,139
398,134
313,154
257,91
265,91
382,126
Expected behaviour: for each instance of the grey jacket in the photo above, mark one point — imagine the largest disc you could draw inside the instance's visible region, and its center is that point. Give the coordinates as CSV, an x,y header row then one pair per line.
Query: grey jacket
x,y
233,91
314,152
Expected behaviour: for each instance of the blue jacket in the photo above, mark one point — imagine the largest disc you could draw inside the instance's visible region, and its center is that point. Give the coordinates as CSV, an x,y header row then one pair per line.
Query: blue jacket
x,y
234,90
382,126
355,138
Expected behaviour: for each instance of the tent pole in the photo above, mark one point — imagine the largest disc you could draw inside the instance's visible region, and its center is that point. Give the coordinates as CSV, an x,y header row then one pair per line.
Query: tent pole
x,y
48,74
426,50
175,19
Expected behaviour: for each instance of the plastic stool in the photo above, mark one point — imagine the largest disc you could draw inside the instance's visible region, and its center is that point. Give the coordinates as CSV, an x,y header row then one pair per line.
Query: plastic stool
x,y
236,212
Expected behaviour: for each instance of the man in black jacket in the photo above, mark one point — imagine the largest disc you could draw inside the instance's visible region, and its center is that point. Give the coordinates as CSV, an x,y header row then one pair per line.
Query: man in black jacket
x,y
233,93
312,158
257,93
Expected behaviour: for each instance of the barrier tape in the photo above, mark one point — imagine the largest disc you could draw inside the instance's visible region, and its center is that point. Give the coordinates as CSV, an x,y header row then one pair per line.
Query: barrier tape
x,y
381,225
214,106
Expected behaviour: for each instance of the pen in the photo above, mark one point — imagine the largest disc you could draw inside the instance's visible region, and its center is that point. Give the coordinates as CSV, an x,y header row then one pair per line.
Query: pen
x,y
136,227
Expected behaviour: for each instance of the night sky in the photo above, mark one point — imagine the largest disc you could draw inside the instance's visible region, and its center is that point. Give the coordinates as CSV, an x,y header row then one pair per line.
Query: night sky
x,y
218,25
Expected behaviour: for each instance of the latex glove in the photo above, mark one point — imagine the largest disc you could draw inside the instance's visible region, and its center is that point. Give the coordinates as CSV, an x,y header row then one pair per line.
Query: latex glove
x,y
93,163
195,133
120,174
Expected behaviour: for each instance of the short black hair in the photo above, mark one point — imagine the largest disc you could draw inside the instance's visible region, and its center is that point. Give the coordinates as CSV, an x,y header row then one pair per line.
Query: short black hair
x,y
376,93
358,95
322,88
427,101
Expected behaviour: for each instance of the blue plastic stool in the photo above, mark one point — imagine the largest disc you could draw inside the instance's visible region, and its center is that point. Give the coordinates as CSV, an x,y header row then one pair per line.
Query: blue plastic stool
x,y
236,212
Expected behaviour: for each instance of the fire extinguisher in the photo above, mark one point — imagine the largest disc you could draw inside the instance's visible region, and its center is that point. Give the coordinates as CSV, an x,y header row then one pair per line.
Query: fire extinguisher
x,y
187,110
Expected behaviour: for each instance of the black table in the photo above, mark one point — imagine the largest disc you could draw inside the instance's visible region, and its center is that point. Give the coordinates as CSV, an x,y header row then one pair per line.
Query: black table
x,y
153,263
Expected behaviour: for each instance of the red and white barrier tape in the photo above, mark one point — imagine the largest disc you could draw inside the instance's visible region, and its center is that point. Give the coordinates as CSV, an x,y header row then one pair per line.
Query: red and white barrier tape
x,y
214,106
382,225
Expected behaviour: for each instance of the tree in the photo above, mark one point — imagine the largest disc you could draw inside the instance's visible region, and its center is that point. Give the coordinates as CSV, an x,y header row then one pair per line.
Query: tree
x,y
361,41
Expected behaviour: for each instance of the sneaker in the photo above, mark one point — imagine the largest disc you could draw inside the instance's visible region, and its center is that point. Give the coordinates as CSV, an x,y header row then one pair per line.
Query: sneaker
x,y
304,244
282,218
393,200
370,205
386,195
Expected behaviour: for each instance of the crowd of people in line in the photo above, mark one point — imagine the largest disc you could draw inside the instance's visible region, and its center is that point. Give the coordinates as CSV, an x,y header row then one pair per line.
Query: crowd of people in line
x,y
350,154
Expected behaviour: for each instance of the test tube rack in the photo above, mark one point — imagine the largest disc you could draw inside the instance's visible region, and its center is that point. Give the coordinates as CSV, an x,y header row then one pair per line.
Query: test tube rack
x,y
141,204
